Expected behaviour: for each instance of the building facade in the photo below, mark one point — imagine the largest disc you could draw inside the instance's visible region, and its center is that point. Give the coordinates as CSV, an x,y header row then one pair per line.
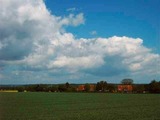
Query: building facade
x,y
82,88
125,88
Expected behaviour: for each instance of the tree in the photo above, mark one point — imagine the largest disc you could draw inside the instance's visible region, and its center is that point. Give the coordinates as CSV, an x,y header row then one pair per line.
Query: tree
x,y
101,86
53,88
139,88
127,81
154,86
98,87
39,88
20,89
67,85
87,87
111,88
62,88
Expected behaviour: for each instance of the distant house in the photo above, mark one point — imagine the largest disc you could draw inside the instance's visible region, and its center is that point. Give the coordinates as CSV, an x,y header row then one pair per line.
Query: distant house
x,y
125,88
92,88
82,88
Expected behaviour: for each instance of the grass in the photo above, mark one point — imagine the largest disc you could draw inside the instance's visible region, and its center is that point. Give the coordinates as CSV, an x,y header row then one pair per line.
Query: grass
x,y
79,106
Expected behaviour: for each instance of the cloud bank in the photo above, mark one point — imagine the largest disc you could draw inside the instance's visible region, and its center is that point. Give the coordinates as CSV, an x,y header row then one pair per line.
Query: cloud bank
x,y
35,47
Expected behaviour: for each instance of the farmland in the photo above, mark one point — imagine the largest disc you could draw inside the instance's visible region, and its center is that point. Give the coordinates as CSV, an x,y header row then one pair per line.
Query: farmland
x,y
79,106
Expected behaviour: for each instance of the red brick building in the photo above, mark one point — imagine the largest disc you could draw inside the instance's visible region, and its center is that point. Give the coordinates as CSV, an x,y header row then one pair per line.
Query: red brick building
x,y
82,88
92,88
125,88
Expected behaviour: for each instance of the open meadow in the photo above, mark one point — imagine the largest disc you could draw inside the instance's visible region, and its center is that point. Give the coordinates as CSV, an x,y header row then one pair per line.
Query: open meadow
x,y
79,106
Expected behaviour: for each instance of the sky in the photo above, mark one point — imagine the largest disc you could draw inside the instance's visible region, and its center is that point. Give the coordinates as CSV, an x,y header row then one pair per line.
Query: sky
x,y
58,41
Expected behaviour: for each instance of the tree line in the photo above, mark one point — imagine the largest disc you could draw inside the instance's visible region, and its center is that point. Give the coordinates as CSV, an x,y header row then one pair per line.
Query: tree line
x,y
101,86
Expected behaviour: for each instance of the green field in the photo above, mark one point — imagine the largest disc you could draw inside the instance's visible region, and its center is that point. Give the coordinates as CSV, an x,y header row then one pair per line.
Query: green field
x,y
79,106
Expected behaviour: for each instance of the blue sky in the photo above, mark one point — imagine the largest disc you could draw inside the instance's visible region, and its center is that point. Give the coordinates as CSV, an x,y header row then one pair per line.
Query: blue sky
x,y
132,18
58,41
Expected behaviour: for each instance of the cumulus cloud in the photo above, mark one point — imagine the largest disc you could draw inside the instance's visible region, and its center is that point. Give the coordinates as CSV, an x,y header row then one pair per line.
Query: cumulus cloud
x,y
34,40
72,19
26,24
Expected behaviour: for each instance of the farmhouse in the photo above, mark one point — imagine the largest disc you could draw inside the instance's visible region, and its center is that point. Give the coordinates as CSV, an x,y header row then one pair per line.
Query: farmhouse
x,y
125,88
92,88
82,88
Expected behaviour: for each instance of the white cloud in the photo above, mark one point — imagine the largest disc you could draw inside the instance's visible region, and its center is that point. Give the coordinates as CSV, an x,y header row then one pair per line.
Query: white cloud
x,y
27,24
93,32
72,19
85,54
71,9
77,62
32,37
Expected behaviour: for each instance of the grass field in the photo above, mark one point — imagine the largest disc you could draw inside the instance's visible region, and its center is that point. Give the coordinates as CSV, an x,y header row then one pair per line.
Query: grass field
x,y
79,106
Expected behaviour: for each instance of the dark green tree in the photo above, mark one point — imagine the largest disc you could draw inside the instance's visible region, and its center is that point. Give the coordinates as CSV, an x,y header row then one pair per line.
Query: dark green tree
x,y
87,87
101,86
67,85
111,88
39,88
154,86
138,88
20,89
62,88
54,88
98,87
127,81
